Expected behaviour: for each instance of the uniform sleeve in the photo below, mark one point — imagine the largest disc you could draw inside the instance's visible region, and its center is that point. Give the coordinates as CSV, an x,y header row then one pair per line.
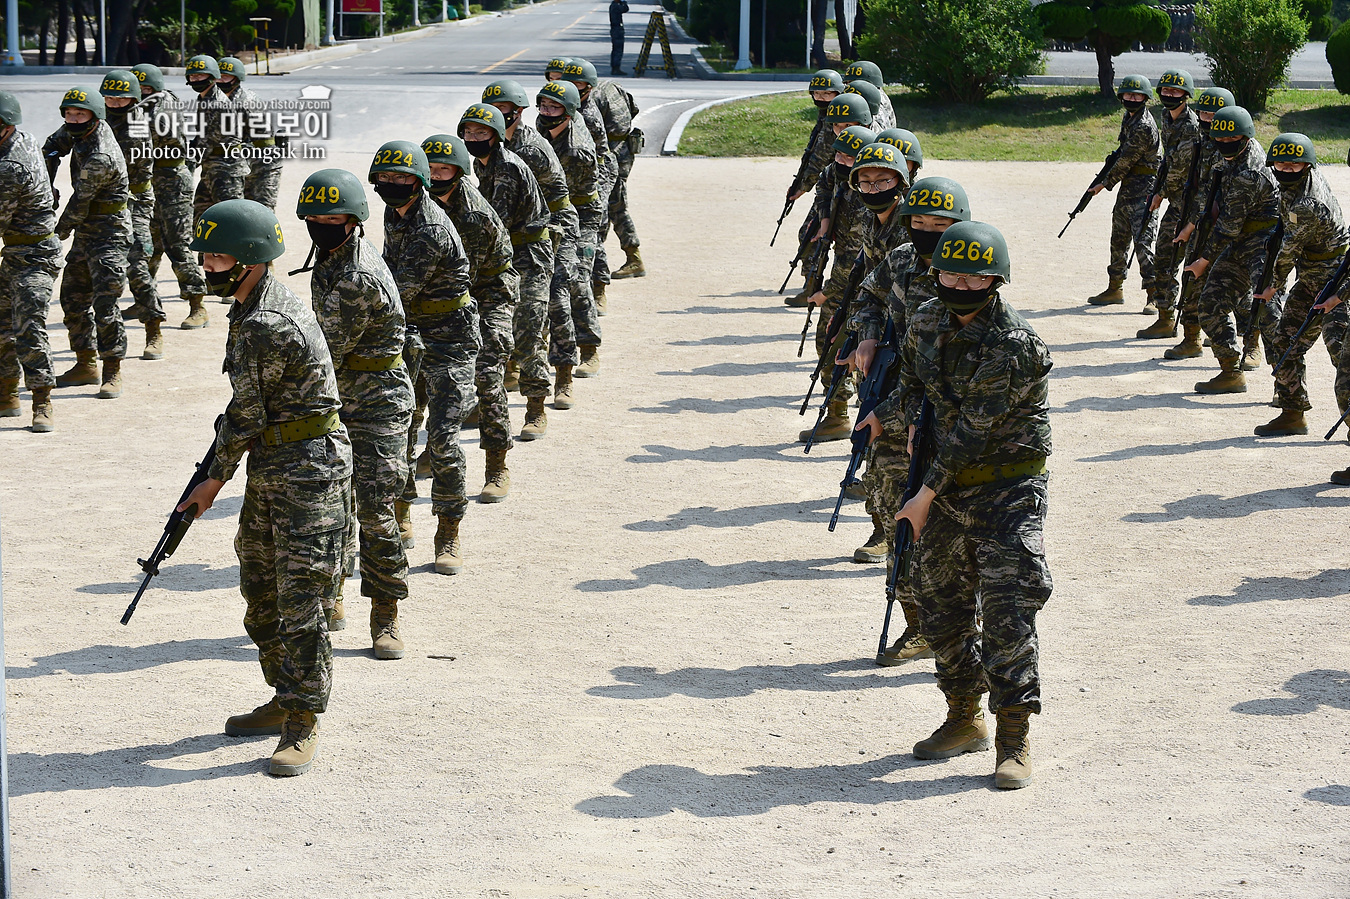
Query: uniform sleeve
x,y
1179,166
263,349
95,174
1140,145
869,317
1240,201
357,293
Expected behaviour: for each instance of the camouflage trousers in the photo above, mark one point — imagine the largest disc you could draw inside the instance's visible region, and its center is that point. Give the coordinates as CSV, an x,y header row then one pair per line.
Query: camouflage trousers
x,y
1131,220
562,349
379,473
1167,259
138,258
619,215
1226,296
530,323
609,174
290,548
885,481
980,579
1279,324
496,308
172,231
26,280
96,272
834,290
448,372
262,182
585,312
220,180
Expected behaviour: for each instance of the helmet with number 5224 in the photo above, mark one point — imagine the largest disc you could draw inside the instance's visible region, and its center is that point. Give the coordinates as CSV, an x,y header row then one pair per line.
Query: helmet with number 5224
x,y
1291,147
333,192
246,230
972,248
401,156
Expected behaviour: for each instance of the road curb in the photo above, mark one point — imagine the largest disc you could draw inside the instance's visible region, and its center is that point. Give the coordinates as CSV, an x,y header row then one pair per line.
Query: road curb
x,y
671,147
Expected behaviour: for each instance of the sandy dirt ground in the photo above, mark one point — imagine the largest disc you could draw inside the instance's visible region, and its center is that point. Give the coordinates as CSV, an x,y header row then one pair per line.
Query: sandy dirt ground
x,y
654,677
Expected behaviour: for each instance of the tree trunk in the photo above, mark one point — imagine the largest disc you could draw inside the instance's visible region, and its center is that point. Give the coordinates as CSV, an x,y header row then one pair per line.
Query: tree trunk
x,y
42,39
1106,69
846,50
818,35
81,55
62,31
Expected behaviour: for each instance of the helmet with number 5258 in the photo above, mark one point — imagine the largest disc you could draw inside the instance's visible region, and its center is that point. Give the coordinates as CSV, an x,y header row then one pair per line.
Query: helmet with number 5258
x,y
972,248
937,196
246,230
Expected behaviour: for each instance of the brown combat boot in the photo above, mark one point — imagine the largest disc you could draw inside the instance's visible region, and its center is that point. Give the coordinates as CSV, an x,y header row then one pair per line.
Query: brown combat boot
x,y
1165,326
1012,767
911,644
590,362
1189,348
835,426
82,373
512,380
154,341
1341,477
265,719
385,641
1113,295
403,515
1229,380
562,388
536,419
797,300
1150,304
498,478
874,550
44,416
422,466
1251,352
197,314
299,744
9,398
449,558
111,388
633,267
1288,422
134,312
337,615
598,289
963,731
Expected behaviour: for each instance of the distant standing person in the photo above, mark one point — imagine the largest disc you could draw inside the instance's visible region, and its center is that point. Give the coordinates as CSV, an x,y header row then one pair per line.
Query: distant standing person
x,y
616,10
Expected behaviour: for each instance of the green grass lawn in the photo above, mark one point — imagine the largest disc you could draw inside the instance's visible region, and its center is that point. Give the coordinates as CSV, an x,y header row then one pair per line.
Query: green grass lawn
x,y
1066,124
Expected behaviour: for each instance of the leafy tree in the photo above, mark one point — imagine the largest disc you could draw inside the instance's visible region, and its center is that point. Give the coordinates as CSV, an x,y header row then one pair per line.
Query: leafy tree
x,y
1109,26
1249,44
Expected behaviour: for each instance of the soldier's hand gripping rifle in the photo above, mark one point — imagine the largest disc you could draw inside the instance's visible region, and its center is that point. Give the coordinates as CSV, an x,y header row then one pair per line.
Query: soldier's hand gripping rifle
x,y
904,531
1330,289
879,383
1267,276
175,529
1083,202
1187,197
1196,244
797,181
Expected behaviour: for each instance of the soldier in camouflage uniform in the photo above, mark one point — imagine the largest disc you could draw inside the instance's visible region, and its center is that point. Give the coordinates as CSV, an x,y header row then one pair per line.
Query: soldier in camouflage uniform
x,y
1135,171
28,266
979,518
1314,242
293,523
560,122
1181,142
358,308
872,94
172,224
626,142
265,154
217,145
1246,204
867,71
583,77
427,259
493,284
96,266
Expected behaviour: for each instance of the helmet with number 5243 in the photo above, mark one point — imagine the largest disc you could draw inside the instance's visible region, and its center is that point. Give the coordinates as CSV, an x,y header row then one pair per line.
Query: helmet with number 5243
x,y
333,192
401,156
879,156
1291,147
972,248
246,230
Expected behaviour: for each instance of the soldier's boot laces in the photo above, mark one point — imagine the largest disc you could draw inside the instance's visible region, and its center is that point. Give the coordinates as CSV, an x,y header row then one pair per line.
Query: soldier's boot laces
x,y
911,644
497,479
633,267
512,380
536,419
154,341
1229,380
1012,766
1288,422
562,388
9,398
835,426
1189,348
1165,326
874,550
44,416
385,641
403,515
111,388
797,300
590,362
963,731
197,314
83,372
299,745
1113,295
448,552
265,719
1251,352
423,464
601,302
337,615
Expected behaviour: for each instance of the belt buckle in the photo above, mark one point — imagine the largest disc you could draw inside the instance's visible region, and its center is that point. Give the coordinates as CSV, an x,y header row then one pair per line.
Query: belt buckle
x,y
276,435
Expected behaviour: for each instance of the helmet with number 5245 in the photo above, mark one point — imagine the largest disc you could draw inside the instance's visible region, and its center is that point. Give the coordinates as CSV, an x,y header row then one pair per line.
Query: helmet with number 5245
x,y
972,248
879,156
246,230
205,64
333,192
1291,147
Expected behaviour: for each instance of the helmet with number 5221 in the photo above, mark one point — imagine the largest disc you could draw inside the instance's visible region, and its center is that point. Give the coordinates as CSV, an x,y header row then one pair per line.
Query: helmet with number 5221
x,y
972,248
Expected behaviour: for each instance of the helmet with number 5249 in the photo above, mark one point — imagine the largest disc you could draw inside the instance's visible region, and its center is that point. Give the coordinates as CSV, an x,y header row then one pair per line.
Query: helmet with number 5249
x,y
246,230
333,192
972,248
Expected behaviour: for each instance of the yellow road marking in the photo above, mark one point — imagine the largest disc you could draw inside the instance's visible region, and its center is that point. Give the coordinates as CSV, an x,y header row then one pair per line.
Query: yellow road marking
x,y
579,18
502,62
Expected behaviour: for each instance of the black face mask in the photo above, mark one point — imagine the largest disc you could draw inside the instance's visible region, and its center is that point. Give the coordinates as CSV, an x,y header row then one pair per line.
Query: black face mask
x,y
1133,105
118,112
229,89
820,104
202,86
1204,127
511,117
224,284
1172,102
1288,179
882,200
925,241
1231,149
964,302
549,122
396,195
479,149
440,187
327,237
82,128
841,171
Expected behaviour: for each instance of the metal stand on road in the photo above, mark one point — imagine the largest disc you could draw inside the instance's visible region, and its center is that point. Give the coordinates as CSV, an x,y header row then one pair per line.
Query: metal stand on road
x,y
6,888
655,27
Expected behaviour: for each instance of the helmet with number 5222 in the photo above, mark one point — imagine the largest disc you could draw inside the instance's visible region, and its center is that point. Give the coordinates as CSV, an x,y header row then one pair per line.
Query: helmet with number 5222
x,y
333,192
120,83
972,248
246,230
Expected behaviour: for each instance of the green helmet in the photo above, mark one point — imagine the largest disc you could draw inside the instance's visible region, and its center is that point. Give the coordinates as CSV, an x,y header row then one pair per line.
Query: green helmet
x,y
1135,84
83,98
879,156
1291,147
557,66
869,92
229,65
151,75
332,192
401,156
863,70
1179,79
120,83
484,114
198,64
246,230
852,139
448,149
972,248
1232,121
10,113
849,108
563,93
1212,99
579,69
907,141
506,91
937,196
827,80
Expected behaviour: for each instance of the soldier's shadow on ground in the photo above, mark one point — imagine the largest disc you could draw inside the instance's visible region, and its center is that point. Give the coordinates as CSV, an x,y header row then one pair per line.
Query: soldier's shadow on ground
x,y
656,790
777,452
187,578
1307,691
696,574
1212,507
728,406
128,766
817,511
1330,584
742,369
637,682
1129,453
1331,794
1135,403
729,310
107,659
737,340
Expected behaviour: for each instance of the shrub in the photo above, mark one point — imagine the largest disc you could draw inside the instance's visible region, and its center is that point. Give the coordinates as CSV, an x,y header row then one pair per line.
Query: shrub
x,y
1109,26
1249,44
1338,54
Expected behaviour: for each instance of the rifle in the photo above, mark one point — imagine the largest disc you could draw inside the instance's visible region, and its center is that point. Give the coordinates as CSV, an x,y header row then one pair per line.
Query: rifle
x,y
904,531
53,160
1199,237
1330,290
846,345
1267,276
831,336
1187,197
176,528
833,341
1159,179
811,226
801,173
880,381
1083,202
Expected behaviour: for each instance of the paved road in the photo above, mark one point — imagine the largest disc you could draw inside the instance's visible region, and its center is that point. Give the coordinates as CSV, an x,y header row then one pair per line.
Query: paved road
x,y
1308,65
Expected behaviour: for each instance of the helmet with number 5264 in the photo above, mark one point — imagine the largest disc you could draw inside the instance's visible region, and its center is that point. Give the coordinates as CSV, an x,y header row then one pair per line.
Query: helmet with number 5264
x,y
972,248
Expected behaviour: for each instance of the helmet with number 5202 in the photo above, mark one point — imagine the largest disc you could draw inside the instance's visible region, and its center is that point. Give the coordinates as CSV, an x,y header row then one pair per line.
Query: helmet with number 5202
x,y
333,192
972,248
564,93
246,230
